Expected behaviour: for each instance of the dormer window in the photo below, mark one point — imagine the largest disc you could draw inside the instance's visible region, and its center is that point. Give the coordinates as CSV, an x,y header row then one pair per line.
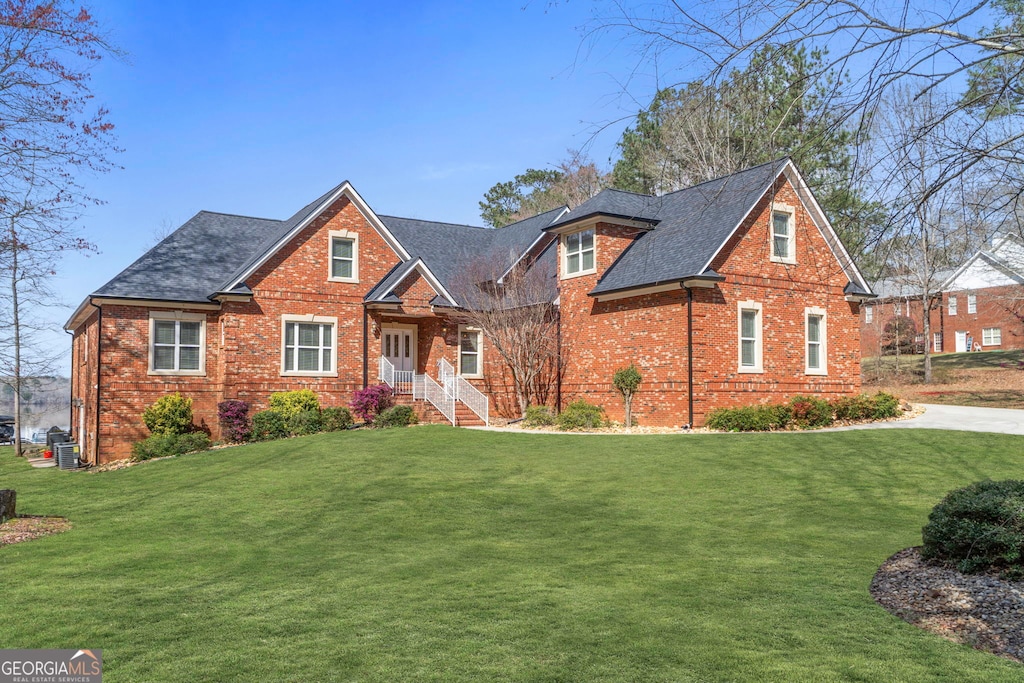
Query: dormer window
x,y
343,257
578,253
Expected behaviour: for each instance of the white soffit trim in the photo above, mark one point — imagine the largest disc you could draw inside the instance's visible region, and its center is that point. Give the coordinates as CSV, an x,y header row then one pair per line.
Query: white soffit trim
x,y
639,291
421,267
347,190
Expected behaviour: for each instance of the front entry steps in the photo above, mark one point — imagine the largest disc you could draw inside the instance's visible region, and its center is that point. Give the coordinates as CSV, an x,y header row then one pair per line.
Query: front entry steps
x,y
428,414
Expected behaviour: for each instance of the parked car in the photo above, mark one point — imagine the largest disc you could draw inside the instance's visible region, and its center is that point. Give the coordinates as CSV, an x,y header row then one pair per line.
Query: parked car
x,y
6,433
38,437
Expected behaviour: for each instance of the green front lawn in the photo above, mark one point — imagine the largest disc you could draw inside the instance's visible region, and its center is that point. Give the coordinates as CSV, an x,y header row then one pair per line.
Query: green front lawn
x,y
975,360
440,554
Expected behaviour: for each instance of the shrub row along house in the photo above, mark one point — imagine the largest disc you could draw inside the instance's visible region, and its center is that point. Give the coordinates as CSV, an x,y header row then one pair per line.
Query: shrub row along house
x,y
732,292
977,307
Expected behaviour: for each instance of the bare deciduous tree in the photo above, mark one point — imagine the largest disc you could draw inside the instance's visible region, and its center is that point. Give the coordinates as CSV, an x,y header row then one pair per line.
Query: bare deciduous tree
x,y
514,310
50,132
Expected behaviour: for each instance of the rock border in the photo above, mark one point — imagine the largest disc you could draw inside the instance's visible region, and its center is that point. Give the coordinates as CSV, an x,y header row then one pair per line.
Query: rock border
x,y
980,610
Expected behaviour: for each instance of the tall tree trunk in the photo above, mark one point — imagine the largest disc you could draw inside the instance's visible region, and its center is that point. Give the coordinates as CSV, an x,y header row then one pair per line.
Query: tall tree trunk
x,y
927,327
16,329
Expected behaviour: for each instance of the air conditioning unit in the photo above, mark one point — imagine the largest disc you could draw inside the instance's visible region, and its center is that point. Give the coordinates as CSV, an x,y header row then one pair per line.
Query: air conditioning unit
x,y
68,456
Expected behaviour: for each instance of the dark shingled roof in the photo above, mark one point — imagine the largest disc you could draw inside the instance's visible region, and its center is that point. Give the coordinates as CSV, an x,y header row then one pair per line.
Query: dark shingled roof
x,y
444,248
691,226
191,263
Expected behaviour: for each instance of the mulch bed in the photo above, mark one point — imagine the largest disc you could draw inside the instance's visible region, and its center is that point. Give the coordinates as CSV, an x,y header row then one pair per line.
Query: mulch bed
x,y
980,610
28,527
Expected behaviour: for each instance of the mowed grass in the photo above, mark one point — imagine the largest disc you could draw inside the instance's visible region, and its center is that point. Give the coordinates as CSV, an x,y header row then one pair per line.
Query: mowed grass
x,y
440,554
975,360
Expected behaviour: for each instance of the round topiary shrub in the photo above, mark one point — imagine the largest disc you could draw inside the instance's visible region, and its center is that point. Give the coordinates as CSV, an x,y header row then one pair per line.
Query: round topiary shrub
x,y
979,527
581,414
171,414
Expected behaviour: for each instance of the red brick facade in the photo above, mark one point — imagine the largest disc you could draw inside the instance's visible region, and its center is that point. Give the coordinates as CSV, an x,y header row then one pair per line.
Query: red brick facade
x,y
995,308
651,330
244,339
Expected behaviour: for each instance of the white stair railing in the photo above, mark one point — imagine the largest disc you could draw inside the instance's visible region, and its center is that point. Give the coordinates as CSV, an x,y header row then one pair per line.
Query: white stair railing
x,y
387,372
439,398
417,387
446,375
474,399
403,381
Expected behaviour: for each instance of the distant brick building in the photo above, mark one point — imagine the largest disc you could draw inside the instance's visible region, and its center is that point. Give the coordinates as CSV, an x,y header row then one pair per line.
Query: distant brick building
x,y
733,292
977,307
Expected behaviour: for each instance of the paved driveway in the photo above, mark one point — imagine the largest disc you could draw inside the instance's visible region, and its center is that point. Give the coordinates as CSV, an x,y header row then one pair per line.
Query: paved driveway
x,y
962,418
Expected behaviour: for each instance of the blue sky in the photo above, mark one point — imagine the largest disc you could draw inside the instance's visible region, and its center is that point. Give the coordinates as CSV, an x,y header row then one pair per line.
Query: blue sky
x,y
259,107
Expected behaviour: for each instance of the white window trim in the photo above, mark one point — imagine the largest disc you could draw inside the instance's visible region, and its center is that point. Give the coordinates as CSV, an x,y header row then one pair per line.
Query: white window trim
x,y
869,315
347,235
791,213
992,342
952,305
480,352
972,304
823,343
758,366
564,254
937,342
180,316
319,320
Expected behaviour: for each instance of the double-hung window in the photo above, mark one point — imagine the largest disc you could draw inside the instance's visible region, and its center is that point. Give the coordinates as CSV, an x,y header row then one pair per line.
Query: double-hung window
x,y
816,343
783,236
869,314
750,337
470,352
952,305
992,336
578,249
309,345
177,343
343,257
972,303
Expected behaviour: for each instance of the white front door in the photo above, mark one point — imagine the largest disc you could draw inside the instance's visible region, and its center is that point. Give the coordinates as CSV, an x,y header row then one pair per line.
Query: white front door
x,y
961,342
398,346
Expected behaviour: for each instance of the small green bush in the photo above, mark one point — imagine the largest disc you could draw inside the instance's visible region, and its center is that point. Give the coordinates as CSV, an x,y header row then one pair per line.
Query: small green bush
x,y
305,422
978,527
750,418
811,411
172,414
163,445
886,405
290,403
396,416
336,419
267,425
859,407
539,416
581,415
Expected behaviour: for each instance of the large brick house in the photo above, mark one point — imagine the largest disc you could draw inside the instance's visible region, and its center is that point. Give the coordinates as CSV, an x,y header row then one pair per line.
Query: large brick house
x,y
732,292
976,307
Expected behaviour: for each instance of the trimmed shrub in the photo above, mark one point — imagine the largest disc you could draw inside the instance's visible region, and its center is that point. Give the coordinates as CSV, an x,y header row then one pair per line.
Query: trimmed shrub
x,y
885,405
581,415
305,422
267,425
370,402
234,418
163,445
539,416
291,403
627,381
979,527
396,416
750,418
811,411
860,407
336,419
172,414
